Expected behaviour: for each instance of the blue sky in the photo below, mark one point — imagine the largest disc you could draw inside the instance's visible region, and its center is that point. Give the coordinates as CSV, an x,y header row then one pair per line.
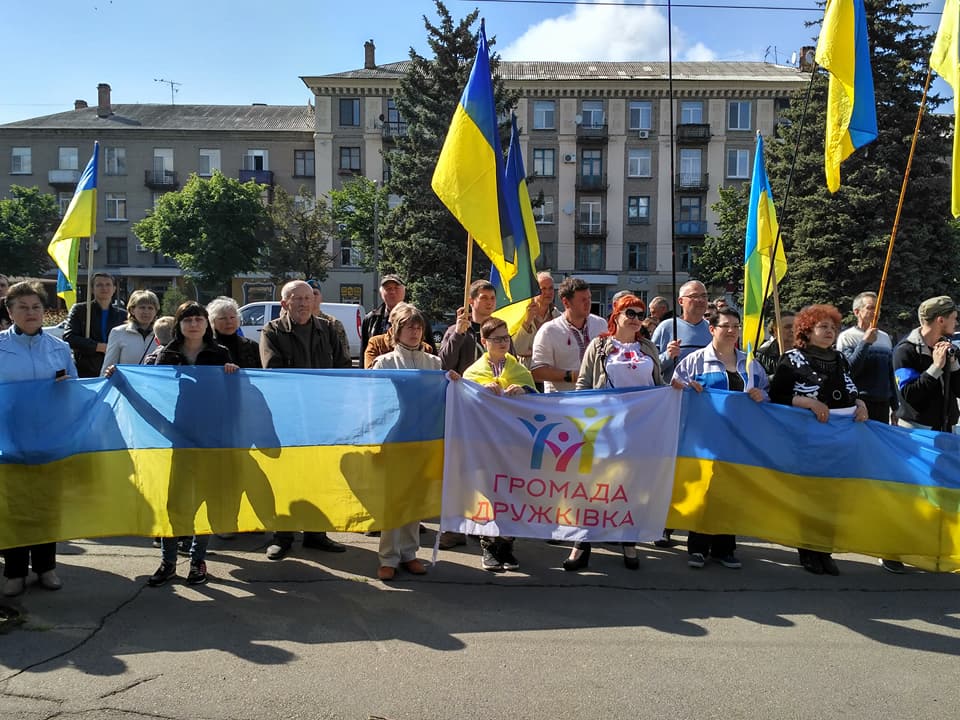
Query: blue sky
x,y
239,52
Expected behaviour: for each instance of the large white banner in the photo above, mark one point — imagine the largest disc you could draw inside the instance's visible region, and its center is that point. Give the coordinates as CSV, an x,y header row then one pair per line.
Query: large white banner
x,y
566,466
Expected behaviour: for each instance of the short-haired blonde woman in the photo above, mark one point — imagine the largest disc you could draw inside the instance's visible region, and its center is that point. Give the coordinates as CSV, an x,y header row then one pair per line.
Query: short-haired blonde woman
x,y
130,343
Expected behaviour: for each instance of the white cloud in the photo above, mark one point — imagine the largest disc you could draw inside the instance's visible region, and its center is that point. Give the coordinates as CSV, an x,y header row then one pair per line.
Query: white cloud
x,y
604,32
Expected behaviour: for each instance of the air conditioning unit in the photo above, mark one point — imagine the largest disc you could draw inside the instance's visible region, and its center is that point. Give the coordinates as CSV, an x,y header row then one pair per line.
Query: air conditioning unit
x,y
570,158
643,134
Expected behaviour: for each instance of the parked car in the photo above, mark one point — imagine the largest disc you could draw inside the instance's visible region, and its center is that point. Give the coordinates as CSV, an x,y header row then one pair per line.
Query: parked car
x,y
438,329
254,316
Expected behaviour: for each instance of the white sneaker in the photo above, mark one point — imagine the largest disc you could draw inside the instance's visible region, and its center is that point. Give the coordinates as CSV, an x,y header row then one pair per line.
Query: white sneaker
x,y
50,581
14,586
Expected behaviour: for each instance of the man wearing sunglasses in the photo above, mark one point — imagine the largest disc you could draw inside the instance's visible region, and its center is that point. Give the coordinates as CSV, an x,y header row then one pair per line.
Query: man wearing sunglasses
x,y
693,331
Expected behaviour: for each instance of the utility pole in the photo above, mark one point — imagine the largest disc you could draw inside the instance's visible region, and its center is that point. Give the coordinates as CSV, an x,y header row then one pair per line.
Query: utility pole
x,y
173,85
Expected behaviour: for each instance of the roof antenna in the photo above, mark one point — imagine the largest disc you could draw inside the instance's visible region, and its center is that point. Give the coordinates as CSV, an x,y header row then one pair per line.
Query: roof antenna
x,y
171,83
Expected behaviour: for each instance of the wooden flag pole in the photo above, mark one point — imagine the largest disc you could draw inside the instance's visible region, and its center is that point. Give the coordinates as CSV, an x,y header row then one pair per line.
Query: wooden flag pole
x,y
903,193
468,274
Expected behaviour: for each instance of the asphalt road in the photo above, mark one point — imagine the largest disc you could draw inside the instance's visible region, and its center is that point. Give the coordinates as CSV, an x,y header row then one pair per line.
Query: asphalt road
x,y
315,636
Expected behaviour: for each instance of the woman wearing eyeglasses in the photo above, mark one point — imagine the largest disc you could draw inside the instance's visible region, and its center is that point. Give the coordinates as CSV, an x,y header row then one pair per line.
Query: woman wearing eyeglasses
x,y
721,366
501,373
619,358
815,376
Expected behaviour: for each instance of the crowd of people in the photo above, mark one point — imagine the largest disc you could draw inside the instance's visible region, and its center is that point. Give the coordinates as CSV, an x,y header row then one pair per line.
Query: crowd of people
x,y
807,362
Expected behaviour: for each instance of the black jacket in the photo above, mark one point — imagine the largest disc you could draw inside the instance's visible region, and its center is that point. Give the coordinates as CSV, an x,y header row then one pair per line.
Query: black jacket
x,y
921,391
244,351
89,361
210,354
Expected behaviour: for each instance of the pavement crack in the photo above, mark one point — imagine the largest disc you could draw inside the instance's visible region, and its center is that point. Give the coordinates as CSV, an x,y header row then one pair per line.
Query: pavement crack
x,y
83,641
128,686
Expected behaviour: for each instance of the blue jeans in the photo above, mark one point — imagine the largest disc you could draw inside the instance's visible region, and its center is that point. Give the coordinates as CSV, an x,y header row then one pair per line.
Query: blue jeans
x,y
198,549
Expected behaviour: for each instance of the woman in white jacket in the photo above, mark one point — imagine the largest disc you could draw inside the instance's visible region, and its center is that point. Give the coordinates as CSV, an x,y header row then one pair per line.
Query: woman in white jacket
x,y
130,343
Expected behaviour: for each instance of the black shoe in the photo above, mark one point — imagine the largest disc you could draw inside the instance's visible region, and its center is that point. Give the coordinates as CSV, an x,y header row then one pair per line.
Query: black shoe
x,y
631,563
490,562
811,561
277,550
183,545
829,564
580,563
893,566
320,541
371,533
666,541
166,571
506,556
198,573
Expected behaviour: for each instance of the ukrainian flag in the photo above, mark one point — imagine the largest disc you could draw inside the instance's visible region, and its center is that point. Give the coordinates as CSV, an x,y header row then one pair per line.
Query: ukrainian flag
x,y
758,252
468,178
844,51
79,221
945,59
513,297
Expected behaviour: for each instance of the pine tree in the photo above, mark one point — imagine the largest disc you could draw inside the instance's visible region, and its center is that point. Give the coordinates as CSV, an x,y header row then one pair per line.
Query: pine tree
x,y
836,243
422,241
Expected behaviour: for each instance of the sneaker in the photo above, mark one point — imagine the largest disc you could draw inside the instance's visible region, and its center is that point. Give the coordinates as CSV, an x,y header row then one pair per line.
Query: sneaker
x,y
156,543
730,561
508,559
666,541
166,571
197,574
50,581
893,566
14,586
277,551
696,560
490,562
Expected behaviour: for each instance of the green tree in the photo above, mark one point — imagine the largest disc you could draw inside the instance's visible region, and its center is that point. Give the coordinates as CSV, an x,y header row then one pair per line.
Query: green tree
x,y
214,228
301,231
173,297
28,220
836,243
719,264
359,210
421,240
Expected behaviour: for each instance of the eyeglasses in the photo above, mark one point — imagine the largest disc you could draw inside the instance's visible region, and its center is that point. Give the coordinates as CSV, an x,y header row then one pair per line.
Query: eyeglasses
x,y
726,326
632,314
698,296
499,338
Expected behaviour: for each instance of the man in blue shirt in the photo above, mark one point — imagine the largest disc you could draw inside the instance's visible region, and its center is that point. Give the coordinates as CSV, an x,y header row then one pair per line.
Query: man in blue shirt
x,y
693,331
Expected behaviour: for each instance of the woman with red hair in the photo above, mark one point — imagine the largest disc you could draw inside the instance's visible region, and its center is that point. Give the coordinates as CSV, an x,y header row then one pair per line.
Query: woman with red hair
x,y
619,358
816,376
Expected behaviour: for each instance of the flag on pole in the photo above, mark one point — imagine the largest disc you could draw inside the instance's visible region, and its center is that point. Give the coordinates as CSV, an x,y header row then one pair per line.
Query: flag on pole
x,y
758,251
79,221
513,296
468,178
945,60
843,50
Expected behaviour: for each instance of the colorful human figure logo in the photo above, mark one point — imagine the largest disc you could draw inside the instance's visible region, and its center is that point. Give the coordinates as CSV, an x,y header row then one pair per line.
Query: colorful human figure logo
x,y
562,448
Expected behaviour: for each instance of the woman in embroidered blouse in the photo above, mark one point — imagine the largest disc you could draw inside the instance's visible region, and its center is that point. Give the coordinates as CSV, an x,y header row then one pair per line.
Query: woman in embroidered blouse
x,y
619,358
722,366
815,376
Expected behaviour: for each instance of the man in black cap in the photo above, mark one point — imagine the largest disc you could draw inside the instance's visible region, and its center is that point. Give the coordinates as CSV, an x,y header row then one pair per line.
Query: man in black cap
x,y
377,322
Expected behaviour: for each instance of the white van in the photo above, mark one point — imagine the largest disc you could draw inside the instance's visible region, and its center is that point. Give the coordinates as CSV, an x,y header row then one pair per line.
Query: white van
x,y
255,315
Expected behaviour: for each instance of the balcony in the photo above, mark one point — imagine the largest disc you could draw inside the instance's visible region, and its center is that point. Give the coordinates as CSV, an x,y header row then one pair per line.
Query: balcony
x,y
261,177
693,134
594,183
63,178
592,132
692,182
592,229
687,228
392,129
160,179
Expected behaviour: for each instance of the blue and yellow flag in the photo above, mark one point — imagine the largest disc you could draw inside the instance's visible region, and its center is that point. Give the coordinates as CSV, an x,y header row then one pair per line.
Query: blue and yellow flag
x,y
79,221
513,296
945,59
758,251
844,51
468,178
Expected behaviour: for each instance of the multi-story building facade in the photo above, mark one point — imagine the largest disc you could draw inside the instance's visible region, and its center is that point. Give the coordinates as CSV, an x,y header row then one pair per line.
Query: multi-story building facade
x,y
147,150
596,138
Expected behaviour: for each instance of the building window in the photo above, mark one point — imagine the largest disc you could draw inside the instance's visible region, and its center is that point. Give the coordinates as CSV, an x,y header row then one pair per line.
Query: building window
x,y
209,162
690,167
544,162
591,114
691,112
589,255
638,210
115,161
395,125
116,251
738,115
20,161
590,216
641,115
738,164
543,115
639,162
256,160
686,255
349,112
591,163
116,206
349,255
637,256
63,201
69,159
543,214
303,164
350,159
691,210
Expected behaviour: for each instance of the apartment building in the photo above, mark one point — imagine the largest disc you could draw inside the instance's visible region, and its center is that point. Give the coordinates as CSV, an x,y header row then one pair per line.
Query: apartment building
x,y
148,150
596,138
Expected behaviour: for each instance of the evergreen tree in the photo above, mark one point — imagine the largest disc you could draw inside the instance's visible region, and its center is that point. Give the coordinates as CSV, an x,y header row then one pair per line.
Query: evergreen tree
x,y
836,243
421,240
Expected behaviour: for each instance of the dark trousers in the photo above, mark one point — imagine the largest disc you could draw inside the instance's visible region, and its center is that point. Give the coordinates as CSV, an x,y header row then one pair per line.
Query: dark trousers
x,y
717,546
16,561
285,537
878,410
